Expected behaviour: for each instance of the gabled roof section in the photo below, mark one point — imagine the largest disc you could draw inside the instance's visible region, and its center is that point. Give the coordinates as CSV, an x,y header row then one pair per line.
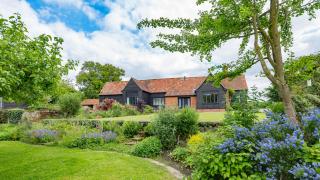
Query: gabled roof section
x,y
88,102
113,88
238,83
182,86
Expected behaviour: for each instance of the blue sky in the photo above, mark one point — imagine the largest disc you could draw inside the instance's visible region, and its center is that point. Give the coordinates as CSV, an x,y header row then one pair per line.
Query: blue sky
x,y
73,16
105,31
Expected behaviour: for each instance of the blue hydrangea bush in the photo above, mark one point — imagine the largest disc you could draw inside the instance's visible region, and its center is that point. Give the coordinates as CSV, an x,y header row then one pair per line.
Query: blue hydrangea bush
x,y
276,149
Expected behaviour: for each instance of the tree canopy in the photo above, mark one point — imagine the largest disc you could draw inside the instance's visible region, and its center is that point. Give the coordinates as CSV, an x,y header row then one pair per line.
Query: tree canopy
x,y
94,75
264,26
30,68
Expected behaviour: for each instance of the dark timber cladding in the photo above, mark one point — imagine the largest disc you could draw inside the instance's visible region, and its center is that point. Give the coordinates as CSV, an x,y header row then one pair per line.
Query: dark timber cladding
x,y
208,89
182,91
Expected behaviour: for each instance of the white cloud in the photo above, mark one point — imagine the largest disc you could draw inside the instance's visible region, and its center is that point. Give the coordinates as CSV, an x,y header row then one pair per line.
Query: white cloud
x,y
115,43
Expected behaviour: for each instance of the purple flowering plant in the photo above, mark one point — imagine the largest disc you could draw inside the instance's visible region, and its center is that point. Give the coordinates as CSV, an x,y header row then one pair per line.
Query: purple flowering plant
x,y
43,135
93,139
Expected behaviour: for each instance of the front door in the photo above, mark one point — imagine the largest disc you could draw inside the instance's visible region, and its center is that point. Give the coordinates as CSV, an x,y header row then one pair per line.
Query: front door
x,y
184,102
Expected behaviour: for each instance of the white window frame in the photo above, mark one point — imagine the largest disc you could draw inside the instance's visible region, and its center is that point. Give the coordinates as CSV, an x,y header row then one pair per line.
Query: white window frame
x,y
158,102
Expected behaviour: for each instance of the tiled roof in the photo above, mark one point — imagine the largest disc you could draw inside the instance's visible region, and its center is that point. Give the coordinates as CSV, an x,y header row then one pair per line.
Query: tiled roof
x,y
88,102
172,86
238,83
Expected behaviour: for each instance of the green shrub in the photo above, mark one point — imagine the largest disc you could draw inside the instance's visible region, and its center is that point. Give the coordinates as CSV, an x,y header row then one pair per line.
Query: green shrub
x,y
70,104
180,154
90,140
116,109
165,128
131,128
14,115
311,154
277,107
3,116
9,132
243,114
149,130
40,136
129,111
149,147
186,123
112,126
148,109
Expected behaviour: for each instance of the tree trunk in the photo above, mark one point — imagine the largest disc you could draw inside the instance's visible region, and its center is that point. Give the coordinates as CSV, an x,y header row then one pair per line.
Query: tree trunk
x,y
289,109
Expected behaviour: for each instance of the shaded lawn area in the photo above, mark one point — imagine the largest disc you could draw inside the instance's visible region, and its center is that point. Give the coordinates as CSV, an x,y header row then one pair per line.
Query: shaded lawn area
x,y
24,161
203,117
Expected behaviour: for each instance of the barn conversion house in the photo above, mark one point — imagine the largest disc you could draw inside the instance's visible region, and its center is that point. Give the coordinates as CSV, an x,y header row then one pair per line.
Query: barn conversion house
x,y
180,92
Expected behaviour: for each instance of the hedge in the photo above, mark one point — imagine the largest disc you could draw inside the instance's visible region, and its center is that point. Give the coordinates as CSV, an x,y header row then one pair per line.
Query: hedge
x,y
12,116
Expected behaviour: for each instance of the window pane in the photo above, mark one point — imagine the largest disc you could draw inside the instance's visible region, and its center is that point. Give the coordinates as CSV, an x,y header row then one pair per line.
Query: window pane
x,y
158,101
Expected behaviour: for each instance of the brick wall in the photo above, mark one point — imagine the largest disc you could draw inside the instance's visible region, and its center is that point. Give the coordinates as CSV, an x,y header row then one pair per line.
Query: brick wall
x,y
193,102
171,101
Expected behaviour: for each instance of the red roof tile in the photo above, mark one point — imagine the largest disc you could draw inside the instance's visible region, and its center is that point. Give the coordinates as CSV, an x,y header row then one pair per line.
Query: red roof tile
x,y
88,102
172,86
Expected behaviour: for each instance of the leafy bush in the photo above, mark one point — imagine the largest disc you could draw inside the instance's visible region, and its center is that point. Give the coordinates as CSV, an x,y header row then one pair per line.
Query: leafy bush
x,y
147,109
195,139
69,104
40,136
311,125
131,128
14,115
113,126
149,147
129,110
186,123
180,154
106,104
274,148
165,128
277,107
243,114
9,132
90,140
116,110
3,116
172,126
311,154
149,130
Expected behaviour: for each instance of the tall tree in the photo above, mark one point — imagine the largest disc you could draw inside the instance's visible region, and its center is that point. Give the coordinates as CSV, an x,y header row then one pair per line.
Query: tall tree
x,y
94,75
30,68
264,26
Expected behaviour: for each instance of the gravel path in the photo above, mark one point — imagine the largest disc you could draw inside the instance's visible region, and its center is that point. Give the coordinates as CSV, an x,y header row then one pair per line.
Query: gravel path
x,y
172,170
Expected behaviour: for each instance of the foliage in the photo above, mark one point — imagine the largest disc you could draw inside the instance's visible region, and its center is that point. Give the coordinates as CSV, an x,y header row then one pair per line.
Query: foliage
x,y
311,154
149,147
272,94
69,104
196,139
311,125
14,115
112,126
165,128
32,63
40,136
131,128
147,109
90,140
149,130
106,104
3,116
242,114
276,107
263,26
180,154
94,75
186,123
305,171
9,132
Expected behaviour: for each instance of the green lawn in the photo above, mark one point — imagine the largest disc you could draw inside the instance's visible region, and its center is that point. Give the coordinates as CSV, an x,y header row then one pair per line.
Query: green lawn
x,y
203,117
24,161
